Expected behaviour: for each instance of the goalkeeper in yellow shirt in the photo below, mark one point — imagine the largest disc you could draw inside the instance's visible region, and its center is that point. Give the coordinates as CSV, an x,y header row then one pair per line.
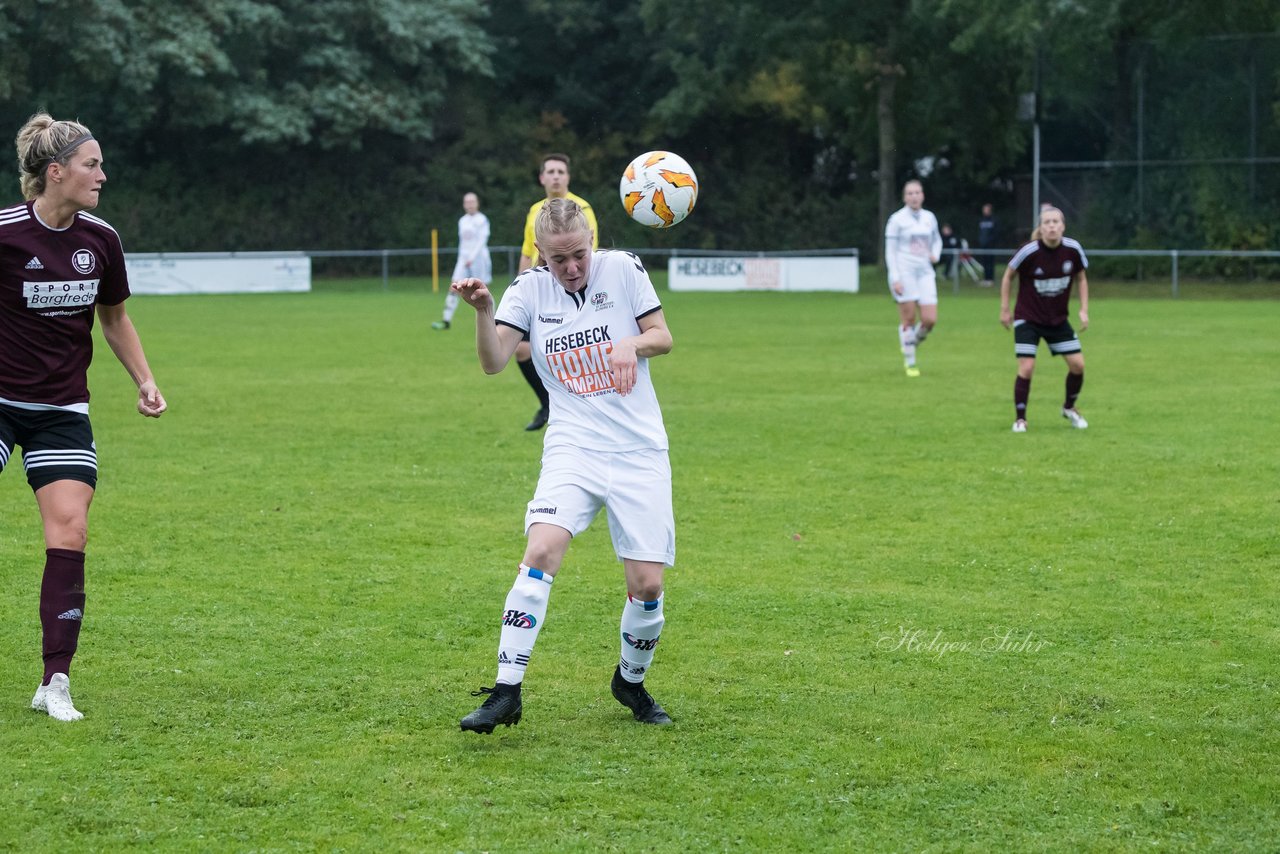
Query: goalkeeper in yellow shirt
x,y
554,178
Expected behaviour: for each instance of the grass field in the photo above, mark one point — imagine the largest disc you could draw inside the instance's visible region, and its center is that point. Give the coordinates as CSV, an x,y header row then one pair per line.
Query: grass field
x,y
893,624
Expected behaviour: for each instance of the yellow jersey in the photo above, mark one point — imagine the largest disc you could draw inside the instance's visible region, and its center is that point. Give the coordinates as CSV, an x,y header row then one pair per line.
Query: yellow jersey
x,y
531,251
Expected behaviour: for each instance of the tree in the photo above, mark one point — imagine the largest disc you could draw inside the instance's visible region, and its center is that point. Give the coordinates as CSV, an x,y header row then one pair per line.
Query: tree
x,y
233,122
271,73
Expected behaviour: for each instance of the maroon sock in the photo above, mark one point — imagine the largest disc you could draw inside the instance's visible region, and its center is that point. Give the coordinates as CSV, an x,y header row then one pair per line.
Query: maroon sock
x,y
1074,383
61,608
1021,391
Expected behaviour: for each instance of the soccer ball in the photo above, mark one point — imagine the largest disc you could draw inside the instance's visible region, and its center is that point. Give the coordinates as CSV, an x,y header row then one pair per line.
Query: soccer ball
x,y
658,189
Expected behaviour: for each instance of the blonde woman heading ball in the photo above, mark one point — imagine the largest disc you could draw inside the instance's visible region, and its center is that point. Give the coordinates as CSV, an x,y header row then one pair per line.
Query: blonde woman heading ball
x,y
912,245
594,322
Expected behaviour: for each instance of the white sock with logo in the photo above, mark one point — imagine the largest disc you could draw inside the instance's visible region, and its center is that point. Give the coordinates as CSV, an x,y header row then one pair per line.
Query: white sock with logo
x,y
522,618
921,332
907,337
641,629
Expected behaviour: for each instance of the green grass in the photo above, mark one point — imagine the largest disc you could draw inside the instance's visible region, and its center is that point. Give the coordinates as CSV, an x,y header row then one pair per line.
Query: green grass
x,y
893,624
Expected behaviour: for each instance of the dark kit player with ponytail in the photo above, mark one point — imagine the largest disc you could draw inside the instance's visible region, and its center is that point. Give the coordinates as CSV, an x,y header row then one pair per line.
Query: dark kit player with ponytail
x,y
60,268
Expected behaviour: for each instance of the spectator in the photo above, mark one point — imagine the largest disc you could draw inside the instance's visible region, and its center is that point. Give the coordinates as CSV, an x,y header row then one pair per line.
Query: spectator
x,y
950,251
987,240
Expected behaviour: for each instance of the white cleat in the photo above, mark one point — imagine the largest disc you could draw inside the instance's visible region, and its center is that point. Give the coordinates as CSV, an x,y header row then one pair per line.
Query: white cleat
x,y
1020,426
55,698
1076,419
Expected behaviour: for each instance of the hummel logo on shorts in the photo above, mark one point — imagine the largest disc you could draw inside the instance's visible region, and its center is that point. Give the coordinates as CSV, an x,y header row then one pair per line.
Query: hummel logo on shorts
x,y
34,264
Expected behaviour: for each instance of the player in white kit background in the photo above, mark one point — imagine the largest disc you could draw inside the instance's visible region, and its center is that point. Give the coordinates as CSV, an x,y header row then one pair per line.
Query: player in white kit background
x,y
912,245
593,321
473,254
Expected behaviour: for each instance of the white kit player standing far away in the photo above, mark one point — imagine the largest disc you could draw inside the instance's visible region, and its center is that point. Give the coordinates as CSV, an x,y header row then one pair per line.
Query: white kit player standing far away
x,y
593,321
473,254
912,245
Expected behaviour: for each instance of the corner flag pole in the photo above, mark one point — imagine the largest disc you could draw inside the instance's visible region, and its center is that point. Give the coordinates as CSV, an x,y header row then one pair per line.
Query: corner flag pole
x,y
435,261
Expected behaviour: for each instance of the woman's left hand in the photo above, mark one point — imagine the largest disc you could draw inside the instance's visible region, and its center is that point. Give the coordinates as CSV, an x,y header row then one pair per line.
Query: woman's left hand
x,y
151,402
622,363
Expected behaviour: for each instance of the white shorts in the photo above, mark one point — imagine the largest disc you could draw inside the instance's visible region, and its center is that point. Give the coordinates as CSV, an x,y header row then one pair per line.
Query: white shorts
x,y
633,486
481,268
917,286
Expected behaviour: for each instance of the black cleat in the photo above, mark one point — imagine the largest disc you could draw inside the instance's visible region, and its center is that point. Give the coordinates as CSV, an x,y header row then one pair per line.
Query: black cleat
x,y
502,706
539,420
637,699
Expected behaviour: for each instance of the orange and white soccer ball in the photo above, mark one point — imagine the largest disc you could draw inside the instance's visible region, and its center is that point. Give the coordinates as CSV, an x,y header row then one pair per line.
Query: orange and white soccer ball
x,y
658,189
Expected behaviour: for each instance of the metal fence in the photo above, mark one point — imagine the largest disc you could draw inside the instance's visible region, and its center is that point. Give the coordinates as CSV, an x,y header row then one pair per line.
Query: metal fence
x,y
384,257
1145,264
1174,259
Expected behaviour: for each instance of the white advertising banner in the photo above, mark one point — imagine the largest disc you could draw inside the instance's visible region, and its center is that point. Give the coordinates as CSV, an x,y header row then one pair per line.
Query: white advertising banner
x,y
804,273
230,273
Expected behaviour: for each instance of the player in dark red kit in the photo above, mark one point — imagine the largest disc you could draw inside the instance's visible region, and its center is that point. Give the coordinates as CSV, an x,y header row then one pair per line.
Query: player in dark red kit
x,y
1047,267
58,267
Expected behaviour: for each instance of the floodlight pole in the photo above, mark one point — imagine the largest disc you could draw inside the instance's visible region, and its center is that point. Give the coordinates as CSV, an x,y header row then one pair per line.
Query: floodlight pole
x,y
1035,143
1035,174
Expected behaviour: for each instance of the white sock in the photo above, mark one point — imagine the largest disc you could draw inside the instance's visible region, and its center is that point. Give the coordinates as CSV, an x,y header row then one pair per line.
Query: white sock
x,y
921,332
907,337
641,629
526,609
450,306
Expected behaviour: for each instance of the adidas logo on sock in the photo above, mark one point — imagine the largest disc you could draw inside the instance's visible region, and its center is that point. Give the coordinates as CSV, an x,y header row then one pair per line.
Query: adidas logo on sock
x,y
34,264
73,614
502,658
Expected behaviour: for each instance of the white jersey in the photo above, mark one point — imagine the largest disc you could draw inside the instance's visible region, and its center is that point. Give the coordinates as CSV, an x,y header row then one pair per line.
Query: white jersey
x,y
473,248
911,242
571,336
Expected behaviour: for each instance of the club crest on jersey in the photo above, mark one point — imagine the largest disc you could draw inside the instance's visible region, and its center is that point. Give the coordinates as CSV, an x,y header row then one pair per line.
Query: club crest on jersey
x,y
83,261
1066,267
600,300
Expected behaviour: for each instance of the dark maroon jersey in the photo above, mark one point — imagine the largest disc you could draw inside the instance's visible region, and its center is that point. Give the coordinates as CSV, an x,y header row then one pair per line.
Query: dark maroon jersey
x,y
1045,277
50,281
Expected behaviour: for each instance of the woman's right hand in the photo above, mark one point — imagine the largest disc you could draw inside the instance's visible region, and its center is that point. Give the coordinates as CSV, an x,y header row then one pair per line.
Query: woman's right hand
x,y
897,288
474,293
